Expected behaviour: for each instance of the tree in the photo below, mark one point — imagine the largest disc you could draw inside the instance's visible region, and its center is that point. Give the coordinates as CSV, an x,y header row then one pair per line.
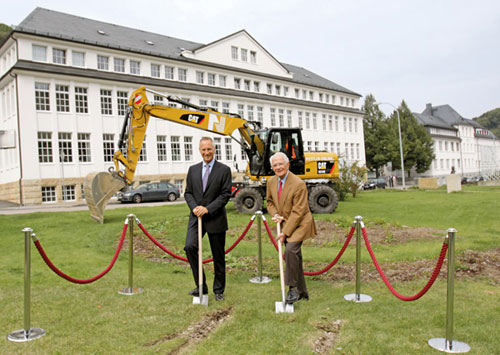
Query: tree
x,y
490,120
418,149
377,136
4,30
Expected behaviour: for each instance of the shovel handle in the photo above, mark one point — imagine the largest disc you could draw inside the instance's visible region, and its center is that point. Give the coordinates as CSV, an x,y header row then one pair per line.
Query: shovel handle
x,y
200,259
280,257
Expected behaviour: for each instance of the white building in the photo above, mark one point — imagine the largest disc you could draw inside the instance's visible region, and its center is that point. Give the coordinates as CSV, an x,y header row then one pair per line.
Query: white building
x,y
65,81
460,144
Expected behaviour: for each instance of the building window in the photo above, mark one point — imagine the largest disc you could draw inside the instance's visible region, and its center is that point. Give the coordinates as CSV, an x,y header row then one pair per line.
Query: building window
x,y
225,107
58,56
241,110
45,147
355,125
273,117
297,93
346,151
203,103
256,86
243,153
175,148
200,77
65,147
316,146
62,98
229,148
78,58
108,146
211,79
320,95
81,100
253,57
122,102
311,95
301,125
84,155
188,148
106,106
260,114
345,124
336,123
48,193
289,118
222,81
169,72
315,122
308,120
285,90
327,98
244,55
234,53
182,74
350,124
215,105
330,122
68,193
338,149
332,147
157,99
155,70
218,148
270,89
119,65
281,118
161,147
304,94
250,113
135,67
247,85
237,83
102,62
277,90
39,53
324,122
42,97
144,153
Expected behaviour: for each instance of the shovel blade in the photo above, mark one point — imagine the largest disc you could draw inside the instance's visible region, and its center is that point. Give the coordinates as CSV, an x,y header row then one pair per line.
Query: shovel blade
x,y
281,307
203,301
99,188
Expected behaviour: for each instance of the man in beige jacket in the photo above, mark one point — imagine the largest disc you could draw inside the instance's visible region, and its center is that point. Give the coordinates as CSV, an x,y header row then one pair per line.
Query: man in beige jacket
x,y
287,204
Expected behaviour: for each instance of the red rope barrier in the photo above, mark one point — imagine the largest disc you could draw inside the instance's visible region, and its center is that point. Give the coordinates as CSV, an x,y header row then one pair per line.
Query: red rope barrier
x,y
388,284
329,266
77,281
166,250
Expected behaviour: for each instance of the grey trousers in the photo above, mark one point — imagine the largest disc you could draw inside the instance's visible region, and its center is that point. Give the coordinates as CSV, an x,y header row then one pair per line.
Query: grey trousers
x,y
294,274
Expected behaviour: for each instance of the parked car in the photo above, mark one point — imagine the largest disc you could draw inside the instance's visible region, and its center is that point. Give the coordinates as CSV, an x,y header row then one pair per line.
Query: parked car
x,y
373,183
155,191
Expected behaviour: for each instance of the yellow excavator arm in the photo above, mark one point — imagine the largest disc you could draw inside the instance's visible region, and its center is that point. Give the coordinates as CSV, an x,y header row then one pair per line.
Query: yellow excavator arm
x,y
100,187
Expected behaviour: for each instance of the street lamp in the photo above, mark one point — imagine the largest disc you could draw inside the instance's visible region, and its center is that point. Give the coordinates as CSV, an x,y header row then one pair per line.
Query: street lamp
x,y
400,141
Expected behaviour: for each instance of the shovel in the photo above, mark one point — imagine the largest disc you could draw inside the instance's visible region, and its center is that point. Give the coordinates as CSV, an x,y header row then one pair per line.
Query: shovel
x,y
201,299
282,306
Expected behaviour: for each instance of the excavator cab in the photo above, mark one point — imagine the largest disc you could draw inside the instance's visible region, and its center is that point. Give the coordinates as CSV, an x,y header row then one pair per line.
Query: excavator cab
x,y
288,141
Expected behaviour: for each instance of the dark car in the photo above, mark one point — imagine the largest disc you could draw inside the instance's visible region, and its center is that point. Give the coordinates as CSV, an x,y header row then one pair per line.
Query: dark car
x,y
373,183
155,191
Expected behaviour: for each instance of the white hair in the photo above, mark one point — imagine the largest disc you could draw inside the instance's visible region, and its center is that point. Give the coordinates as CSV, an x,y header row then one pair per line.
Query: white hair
x,y
279,154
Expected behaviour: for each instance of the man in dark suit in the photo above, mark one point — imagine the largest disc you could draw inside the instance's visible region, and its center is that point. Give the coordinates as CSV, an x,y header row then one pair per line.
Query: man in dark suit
x,y
287,204
208,189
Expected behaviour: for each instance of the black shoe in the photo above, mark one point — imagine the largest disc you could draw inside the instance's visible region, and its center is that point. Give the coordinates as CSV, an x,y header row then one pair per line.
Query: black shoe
x,y
293,295
219,297
304,296
196,292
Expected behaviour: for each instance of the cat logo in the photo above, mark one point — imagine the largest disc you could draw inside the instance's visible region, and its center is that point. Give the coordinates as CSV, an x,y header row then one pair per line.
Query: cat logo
x,y
193,118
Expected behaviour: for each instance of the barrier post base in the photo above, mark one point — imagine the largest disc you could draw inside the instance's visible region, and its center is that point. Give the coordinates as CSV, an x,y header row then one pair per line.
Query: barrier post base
x,y
22,335
260,280
358,298
130,291
447,346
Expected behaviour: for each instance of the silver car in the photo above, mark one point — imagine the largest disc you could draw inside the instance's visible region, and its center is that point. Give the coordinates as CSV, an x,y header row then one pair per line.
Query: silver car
x,y
155,191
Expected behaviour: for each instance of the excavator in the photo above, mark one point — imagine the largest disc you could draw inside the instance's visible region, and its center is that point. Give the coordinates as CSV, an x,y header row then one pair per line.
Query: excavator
x,y
317,169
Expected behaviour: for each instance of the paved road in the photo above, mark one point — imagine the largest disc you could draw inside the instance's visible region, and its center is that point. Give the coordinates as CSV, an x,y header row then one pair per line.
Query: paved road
x,y
7,207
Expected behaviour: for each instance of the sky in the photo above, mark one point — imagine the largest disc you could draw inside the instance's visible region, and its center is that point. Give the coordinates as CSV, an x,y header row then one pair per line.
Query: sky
x,y
428,51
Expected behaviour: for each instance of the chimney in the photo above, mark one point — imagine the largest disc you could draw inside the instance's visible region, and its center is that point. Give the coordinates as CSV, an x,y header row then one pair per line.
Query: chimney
x,y
428,110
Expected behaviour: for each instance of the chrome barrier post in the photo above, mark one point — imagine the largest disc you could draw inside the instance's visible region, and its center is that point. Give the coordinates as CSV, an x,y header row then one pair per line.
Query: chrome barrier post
x,y
130,290
447,344
27,333
259,279
358,297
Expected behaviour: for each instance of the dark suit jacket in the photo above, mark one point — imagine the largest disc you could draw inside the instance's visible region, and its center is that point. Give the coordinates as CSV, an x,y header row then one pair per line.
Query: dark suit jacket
x,y
215,197
293,205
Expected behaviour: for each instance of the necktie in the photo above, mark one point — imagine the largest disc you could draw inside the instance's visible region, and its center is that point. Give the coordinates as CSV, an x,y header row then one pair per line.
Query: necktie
x,y
279,190
205,177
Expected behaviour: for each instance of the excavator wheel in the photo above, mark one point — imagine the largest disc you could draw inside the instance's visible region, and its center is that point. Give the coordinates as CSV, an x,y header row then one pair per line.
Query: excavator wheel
x,y
248,200
322,199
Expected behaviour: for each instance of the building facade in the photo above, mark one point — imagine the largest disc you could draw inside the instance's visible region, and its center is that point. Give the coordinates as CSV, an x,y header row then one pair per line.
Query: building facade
x,y
65,82
460,145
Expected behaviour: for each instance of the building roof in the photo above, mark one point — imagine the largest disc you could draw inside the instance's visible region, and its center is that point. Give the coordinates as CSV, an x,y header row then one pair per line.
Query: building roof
x,y
58,25
432,121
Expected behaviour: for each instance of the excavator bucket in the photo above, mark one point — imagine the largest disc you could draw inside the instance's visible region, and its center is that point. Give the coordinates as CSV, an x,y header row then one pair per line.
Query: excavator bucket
x,y
99,188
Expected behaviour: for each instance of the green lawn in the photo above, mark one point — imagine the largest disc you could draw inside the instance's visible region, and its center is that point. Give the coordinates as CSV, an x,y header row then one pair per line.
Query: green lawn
x,y
94,318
